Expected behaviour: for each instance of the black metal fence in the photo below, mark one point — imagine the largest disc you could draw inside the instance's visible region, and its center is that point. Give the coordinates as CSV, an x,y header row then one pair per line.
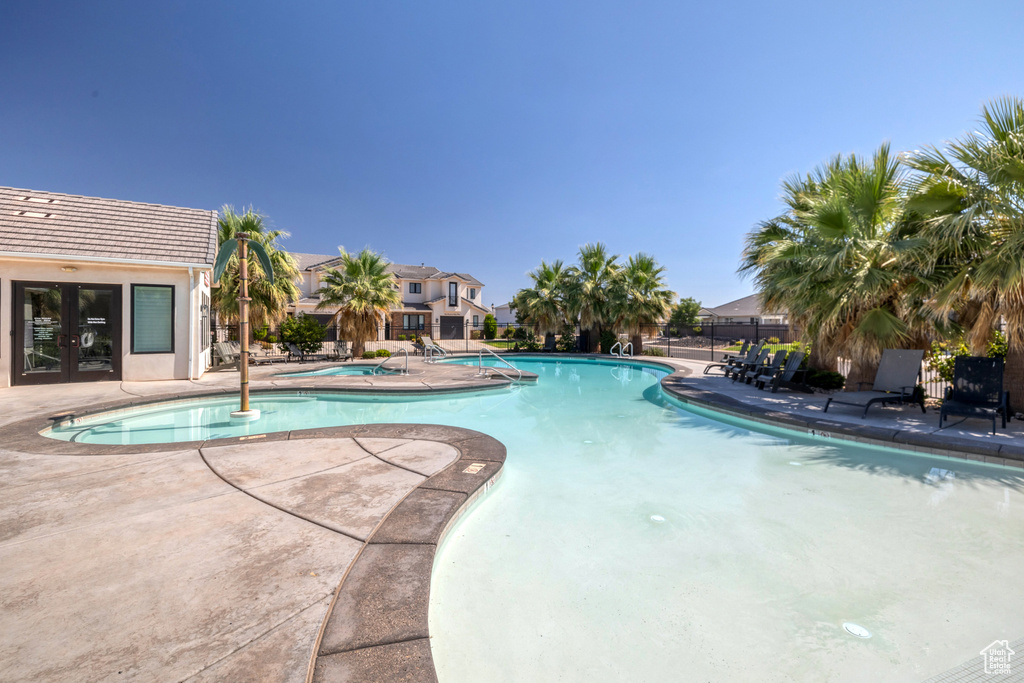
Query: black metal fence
x,y
707,342
272,345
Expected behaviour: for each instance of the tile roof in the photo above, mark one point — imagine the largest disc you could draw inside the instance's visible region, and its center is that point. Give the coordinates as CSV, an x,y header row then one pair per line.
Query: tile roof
x,y
307,261
413,306
401,270
748,306
72,225
462,276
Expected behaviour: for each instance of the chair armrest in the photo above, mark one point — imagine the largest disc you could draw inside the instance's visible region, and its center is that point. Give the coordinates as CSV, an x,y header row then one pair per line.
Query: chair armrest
x,y
948,394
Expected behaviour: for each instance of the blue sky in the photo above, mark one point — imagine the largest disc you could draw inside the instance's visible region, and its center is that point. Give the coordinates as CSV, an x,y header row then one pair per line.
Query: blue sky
x,y
484,137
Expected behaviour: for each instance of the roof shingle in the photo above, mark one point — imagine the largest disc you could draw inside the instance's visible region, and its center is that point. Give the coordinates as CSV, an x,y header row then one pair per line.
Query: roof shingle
x,y
72,225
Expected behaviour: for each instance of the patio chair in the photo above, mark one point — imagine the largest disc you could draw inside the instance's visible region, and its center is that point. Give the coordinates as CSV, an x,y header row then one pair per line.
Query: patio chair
x,y
341,350
748,372
977,390
727,363
742,368
295,352
430,349
784,375
225,355
895,382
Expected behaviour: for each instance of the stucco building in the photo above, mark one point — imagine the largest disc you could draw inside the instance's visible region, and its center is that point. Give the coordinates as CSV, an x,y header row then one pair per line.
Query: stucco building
x,y
102,289
446,304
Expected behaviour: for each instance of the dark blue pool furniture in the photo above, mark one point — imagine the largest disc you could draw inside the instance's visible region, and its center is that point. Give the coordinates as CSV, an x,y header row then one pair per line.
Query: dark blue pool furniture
x,y
747,353
742,370
786,375
895,382
977,390
295,352
766,369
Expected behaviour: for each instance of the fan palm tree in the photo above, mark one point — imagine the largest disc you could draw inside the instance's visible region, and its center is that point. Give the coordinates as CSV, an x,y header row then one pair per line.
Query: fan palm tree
x,y
840,261
588,290
640,297
364,291
268,299
544,303
971,201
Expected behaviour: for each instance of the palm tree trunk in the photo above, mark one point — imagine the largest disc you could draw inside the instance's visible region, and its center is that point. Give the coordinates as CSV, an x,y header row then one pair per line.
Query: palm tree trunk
x,y
638,344
1013,378
358,347
818,360
861,371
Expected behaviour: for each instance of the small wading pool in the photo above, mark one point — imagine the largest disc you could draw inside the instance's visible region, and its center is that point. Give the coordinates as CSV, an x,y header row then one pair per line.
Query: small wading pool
x,y
631,538
339,370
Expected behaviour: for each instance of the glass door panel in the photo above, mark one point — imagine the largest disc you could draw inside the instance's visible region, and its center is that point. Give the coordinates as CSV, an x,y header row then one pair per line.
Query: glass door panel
x,y
42,337
94,337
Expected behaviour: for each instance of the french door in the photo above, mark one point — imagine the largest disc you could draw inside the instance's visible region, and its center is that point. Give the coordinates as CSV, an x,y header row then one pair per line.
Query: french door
x,y
66,332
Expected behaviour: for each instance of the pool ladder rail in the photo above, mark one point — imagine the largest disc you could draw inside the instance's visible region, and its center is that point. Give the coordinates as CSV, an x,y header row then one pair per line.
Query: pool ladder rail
x,y
622,350
482,373
432,352
400,371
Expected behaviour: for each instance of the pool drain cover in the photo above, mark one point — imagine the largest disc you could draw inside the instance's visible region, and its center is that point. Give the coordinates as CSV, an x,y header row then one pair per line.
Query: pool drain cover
x,y
856,630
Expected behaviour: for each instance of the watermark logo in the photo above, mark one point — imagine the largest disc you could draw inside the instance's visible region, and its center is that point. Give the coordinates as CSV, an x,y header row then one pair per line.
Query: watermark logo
x,y
997,657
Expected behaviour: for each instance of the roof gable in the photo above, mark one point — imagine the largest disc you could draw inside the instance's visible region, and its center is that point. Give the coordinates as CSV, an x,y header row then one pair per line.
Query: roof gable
x,y
52,223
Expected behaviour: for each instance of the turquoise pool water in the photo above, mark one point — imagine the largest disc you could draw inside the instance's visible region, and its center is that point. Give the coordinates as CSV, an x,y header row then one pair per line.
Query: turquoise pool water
x,y
337,370
631,539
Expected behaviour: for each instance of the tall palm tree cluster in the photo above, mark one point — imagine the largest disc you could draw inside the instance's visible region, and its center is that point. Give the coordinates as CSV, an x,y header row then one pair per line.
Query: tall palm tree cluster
x,y
363,290
893,252
598,292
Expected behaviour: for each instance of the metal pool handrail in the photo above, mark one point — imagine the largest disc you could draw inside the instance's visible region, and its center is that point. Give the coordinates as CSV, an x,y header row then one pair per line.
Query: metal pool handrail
x,y
480,366
430,349
403,371
622,350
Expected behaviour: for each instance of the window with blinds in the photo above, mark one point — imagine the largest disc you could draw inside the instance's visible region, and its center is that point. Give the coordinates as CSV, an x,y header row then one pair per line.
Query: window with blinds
x,y
152,319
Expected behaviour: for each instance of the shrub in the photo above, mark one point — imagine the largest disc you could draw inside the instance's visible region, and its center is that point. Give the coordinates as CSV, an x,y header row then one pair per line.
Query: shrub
x,y
490,326
943,354
383,353
653,351
272,338
508,332
260,334
567,341
367,355
522,333
824,379
774,340
607,340
477,334
401,337
304,331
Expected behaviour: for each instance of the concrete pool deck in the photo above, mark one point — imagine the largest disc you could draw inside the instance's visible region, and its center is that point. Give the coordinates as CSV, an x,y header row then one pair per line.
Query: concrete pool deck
x,y
302,555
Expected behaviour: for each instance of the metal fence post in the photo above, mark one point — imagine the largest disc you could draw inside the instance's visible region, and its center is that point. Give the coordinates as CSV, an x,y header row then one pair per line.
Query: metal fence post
x,y
712,341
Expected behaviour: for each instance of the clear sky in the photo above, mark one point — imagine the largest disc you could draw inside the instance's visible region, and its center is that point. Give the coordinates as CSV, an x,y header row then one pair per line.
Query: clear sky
x,y
485,136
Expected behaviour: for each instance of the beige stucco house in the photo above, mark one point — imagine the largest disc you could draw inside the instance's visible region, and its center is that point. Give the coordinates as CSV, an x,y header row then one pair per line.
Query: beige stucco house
x,y
102,289
448,305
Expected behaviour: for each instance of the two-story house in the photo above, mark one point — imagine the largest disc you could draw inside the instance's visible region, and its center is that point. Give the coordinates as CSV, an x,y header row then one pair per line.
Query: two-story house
x,y
444,304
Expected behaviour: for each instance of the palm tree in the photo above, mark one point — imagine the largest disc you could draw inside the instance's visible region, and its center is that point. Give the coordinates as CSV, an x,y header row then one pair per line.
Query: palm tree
x,y
840,262
970,198
269,300
640,297
544,303
364,291
588,290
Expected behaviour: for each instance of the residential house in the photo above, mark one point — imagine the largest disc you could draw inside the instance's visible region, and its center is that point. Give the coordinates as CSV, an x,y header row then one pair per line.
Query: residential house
x,y
102,289
505,314
745,310
434,302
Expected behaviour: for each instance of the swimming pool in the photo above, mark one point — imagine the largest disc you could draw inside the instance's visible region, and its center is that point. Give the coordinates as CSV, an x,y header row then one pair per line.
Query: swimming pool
x,y
339,370
634,539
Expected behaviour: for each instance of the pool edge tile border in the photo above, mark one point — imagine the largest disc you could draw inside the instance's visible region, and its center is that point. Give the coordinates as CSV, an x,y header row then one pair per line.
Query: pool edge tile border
x,y
475,448
1007,455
